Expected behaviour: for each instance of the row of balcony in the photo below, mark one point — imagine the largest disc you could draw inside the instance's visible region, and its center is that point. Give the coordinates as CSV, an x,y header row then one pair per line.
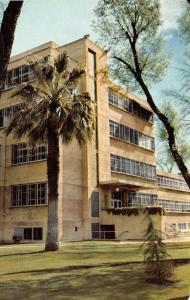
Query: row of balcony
x,y
152,200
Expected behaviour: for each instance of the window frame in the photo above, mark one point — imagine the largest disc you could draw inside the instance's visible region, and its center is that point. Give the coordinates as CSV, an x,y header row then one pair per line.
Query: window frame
x,y
172,183
132,167
22,153
130,135
130,105
7,113
29,194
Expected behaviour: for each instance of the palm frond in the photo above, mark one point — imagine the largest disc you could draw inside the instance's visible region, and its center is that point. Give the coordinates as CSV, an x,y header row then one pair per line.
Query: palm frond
x,y
76,74
61,62
43,70
27,92
49,103
80,120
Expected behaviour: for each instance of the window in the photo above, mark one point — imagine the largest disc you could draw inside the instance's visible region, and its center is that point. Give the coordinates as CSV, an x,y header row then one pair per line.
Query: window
x,y
126,104
22,153
107,232
142,199
106,200
131,135
130,106
174,183
37,234
176,206
28,233
29,194
95,231
103,232
113,98
95,204
17,76
117,199
92,63
128,166
7,113
92,73
182,226
116,203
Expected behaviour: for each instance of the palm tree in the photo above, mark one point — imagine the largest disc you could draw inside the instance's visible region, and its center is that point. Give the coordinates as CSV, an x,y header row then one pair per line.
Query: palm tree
x,y
52,108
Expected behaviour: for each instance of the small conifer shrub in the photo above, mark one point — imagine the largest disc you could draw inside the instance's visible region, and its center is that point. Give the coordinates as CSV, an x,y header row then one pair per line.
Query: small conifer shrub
x,y
158,264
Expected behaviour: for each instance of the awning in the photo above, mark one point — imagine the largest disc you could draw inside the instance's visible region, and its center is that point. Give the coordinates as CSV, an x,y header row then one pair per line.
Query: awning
x,y
123,184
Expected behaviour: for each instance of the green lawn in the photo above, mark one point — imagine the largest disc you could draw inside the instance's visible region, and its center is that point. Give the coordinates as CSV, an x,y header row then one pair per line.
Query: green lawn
x,y
87,270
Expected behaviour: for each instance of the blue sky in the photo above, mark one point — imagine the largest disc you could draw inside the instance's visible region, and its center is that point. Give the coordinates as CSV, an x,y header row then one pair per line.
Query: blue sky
x,y
63,21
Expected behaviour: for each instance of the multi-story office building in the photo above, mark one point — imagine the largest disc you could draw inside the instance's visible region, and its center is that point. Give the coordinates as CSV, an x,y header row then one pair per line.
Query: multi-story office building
x,y
107,187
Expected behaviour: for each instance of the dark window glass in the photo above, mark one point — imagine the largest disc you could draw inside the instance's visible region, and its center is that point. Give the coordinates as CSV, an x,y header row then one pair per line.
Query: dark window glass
x,y
131,106
108,232
1,119
14,195
24,194
28,233
95,204
37,234
95,230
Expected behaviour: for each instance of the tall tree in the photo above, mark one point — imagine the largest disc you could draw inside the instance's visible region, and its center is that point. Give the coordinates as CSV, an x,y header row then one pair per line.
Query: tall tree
x,y
52,108
184,22
164,157
7,31
130,29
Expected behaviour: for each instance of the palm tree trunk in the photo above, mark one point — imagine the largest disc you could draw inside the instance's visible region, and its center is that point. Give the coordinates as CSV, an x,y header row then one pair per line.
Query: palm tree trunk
x,y
52,239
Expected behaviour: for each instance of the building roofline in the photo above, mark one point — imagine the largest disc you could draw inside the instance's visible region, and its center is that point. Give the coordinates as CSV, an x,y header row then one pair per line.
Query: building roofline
x,y
41,47
50,44
85,37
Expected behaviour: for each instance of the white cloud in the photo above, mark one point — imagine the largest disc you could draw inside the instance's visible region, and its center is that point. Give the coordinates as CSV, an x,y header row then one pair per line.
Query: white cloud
x,y
171,10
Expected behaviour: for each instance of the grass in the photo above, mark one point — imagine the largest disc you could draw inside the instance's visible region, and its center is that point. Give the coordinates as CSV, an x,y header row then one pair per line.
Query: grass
x,y
86,271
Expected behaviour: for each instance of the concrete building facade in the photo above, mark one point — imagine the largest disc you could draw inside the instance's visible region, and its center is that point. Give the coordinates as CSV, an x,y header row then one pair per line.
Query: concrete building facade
x,y
107,188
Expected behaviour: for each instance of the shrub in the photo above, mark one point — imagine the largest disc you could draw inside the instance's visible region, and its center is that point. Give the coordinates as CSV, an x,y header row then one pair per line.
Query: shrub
x,y
159,267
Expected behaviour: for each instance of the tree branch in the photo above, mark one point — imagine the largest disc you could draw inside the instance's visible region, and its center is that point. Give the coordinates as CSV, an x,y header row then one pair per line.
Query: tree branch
x,y
126,64
169,128
7,31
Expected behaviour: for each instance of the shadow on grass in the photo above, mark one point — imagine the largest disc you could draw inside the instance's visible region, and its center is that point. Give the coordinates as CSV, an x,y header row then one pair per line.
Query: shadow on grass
x,y
176,262
180,298
178,246
24,253
71,268
102,283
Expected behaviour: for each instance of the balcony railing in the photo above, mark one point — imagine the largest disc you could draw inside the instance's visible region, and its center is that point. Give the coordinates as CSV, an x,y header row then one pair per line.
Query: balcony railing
x,y
141,199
